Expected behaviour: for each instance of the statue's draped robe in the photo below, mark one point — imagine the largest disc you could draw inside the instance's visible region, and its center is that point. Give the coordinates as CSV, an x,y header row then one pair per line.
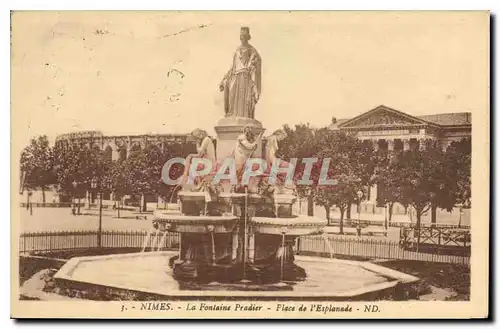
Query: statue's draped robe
x,y
242,83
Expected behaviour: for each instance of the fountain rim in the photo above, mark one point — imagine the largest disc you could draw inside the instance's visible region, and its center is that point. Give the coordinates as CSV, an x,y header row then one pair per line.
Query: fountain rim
x,y
222,195
298,220
66,271
180,218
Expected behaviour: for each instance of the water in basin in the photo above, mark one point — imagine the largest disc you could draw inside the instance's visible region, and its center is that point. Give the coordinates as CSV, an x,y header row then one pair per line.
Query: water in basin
x,y
150,273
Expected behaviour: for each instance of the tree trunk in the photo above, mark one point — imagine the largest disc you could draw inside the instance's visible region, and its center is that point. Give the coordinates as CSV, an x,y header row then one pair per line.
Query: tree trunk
x,y
349,206
460,217
144,208
327,211
119,205
310,205
419,215
43,195
391,206
342,211
433,213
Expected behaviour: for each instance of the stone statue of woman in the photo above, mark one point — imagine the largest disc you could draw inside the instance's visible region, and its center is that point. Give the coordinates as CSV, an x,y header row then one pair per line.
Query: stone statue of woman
x,y
272,145
270,154
242,83
204,149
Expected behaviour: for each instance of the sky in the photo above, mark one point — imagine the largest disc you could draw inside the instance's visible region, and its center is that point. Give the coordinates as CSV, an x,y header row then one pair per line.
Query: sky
x,y
158,72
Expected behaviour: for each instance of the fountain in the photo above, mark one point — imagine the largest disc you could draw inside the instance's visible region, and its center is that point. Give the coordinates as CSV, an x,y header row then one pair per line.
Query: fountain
x,y
238,241
235,239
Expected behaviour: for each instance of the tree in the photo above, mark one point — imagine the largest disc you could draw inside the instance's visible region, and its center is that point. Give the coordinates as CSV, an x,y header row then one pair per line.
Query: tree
x,y
114,180
351,165
79,163
173,150
426,180
143,171
37,165
300,143
389,175
458,158
326,195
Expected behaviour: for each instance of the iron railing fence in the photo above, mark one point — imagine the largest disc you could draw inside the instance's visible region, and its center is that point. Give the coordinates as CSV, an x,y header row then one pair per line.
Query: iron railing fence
x,y
69,240
366,247
320,245
51,204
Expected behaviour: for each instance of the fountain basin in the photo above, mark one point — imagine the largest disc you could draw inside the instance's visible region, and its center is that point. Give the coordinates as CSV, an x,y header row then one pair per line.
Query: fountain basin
x,y
194,224
237,198
149,276
284,199
191,196
299,225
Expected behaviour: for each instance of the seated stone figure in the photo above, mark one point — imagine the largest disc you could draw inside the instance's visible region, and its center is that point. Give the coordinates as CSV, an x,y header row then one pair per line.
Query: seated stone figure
x,y
272,145
246,145
270,156
205,149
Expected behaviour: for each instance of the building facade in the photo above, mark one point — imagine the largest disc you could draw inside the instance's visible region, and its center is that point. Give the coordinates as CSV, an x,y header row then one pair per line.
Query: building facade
x,y
120,147
393,130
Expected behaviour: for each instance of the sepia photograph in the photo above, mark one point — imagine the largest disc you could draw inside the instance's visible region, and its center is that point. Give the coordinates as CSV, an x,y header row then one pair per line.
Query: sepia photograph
x,y
178,164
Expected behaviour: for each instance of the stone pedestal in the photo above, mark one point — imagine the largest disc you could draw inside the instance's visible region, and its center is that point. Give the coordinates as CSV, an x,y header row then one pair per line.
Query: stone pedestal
x,y
228,129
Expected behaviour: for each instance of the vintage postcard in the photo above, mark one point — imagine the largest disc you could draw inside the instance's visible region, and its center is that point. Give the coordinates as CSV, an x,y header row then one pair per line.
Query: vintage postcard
x,y
216,165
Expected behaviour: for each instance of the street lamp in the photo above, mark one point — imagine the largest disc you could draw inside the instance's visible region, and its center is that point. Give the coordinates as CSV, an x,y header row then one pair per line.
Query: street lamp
x,y
360,195
97,187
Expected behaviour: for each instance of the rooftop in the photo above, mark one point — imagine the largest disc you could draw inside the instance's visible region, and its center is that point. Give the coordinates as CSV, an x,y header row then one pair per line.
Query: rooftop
x,y
448,119
441,119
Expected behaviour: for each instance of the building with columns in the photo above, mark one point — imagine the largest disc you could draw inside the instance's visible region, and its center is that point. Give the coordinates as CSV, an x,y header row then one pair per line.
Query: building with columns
x,y
120,147
393,130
